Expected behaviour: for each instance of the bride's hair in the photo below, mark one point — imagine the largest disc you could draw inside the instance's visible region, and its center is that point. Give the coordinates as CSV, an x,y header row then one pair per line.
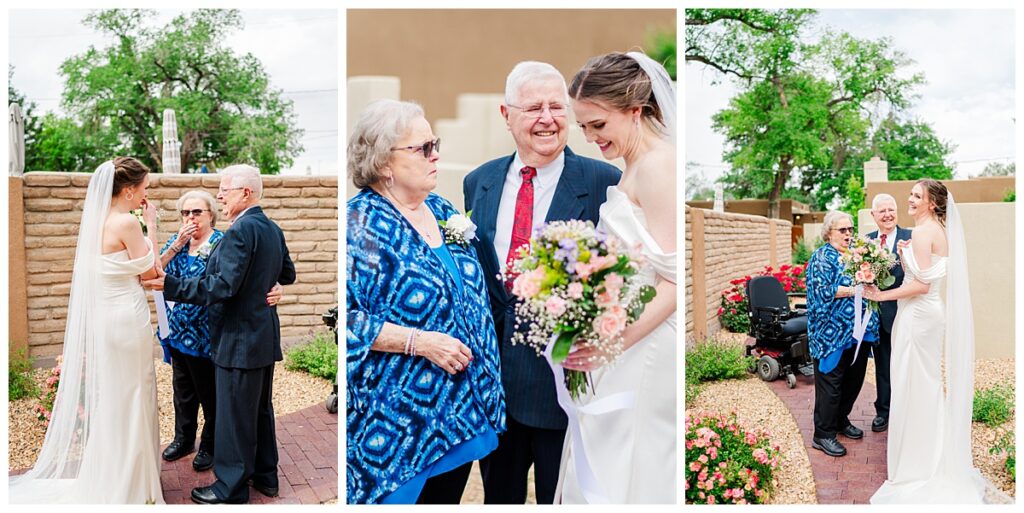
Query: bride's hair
x,y
128,172
618,81
937,195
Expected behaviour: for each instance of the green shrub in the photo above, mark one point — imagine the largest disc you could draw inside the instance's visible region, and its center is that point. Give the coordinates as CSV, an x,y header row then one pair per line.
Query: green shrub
x,y
802,253
993,406
1010,196
715,360
318,357
1007,444
19,376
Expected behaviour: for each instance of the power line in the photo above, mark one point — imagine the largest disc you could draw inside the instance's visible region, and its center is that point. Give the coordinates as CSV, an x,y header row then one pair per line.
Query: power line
x,y
916,166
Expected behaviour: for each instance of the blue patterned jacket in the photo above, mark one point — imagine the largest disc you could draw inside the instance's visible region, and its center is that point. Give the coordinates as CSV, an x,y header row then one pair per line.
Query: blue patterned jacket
x,y
404,412
830,320
190,331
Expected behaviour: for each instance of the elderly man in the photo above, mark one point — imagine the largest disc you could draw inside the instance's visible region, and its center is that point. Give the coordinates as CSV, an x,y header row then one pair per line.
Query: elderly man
x,y
542,181
883,209
245,337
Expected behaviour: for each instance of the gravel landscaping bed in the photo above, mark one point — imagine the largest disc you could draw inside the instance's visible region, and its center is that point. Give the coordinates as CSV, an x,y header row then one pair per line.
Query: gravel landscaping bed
x,y
293,391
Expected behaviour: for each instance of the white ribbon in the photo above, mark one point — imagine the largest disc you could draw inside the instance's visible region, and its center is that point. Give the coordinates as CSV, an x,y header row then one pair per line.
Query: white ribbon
x,y
860,325
161,314
585,477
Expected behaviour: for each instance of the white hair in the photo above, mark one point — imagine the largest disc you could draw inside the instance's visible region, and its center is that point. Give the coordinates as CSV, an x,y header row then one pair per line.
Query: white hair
x,y
831,218
211,202
531,71
244,175
880,198
381,125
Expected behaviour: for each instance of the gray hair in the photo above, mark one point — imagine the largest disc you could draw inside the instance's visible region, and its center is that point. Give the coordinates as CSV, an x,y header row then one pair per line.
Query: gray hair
x,y
531,71
880,198
831,218
381,125
244,175
202,195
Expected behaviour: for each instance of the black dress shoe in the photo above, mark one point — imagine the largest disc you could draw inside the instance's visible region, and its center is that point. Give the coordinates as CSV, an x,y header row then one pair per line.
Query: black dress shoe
x,y
830,446
879,424
203,461
177,450
269,491
853,432
205,495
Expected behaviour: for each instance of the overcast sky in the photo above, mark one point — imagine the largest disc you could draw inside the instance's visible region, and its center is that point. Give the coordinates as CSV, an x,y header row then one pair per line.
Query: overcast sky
x,y
298,49
966,56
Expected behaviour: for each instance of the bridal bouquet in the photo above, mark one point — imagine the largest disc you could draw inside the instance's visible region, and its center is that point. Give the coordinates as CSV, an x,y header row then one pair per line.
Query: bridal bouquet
x,y
576,285
867,262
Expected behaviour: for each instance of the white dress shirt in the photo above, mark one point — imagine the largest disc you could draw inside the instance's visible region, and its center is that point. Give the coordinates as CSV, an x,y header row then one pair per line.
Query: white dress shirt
x,y
890,239
544,185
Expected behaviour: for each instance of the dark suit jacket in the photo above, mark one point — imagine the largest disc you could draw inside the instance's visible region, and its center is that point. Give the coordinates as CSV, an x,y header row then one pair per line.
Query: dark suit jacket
x,y
245,332
582,188
887,309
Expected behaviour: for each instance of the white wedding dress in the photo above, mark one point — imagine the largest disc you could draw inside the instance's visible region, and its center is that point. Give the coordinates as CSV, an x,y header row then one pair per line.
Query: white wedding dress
x,y
929,442
103,441
633,451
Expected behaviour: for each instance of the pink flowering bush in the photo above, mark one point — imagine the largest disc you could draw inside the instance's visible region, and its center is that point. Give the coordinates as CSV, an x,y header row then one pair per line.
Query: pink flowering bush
x,y
725,462
44,408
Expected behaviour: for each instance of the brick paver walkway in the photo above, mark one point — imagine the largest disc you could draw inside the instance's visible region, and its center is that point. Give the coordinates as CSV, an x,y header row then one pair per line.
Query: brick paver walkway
x,y
307,442
853,478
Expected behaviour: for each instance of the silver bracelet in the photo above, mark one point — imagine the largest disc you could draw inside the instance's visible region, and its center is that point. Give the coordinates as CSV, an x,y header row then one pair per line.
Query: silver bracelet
x,y
410,341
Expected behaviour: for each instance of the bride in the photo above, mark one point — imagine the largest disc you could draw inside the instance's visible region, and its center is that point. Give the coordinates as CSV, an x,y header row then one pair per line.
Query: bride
x,y
929,447
625,103
102,444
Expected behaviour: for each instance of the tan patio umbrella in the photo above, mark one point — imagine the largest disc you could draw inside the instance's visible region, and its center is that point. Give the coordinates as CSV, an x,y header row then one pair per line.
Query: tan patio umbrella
x,y
16,140
172,148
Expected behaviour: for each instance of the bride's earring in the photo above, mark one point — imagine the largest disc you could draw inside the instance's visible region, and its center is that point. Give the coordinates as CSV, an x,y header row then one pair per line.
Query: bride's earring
x,y
130,196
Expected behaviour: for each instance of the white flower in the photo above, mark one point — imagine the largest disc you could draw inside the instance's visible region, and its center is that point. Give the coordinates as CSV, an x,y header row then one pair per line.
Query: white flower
x,y
459,229
205,250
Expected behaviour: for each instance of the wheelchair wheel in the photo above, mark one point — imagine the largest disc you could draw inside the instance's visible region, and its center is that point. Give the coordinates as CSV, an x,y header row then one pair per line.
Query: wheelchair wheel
x,y
768,368
791,380
332,403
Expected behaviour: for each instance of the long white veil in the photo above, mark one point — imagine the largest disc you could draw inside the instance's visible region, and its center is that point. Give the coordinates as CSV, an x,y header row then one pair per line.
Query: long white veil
x,y
959,363
664,92
77,401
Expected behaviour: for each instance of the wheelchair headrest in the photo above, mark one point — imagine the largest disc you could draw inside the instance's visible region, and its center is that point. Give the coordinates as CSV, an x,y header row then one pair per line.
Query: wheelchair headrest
x,y
766,291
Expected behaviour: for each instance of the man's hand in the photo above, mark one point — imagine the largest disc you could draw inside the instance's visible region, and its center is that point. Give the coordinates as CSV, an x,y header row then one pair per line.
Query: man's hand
x,y
155,283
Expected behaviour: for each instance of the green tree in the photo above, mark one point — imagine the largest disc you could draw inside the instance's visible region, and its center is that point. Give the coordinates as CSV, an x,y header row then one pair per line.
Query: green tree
x,y
803,105
226,109
999,169
662,44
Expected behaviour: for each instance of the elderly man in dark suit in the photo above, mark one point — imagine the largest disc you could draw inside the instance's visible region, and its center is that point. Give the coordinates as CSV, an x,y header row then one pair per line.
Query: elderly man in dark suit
x,y
884,210
245,337
542,181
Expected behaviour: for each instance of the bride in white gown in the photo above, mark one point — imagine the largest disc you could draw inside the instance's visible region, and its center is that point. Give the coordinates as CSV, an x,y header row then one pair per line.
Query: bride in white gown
x,y
929,442
102,444
625,103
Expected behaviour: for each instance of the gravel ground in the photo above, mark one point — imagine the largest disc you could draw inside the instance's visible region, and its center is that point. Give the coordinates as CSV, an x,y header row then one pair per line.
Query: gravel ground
x,y
794,482
293,391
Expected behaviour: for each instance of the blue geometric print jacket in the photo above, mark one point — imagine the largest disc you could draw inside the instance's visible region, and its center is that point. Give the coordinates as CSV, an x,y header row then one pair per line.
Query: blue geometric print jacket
x,y
190,331
404,412
830,320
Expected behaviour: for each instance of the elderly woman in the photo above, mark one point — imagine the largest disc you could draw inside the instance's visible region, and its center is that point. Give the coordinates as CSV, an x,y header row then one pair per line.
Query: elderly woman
x,y
424,385
838,377
187,345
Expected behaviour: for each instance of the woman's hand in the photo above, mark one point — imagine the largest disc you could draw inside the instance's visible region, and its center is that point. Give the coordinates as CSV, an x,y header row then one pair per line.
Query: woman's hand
x,y
185,233
871,292
275,294
148,213
584,357
446,352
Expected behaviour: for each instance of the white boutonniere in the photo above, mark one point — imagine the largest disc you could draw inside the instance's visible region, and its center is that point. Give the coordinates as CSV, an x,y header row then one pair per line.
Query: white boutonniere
x,y
205,250
458,229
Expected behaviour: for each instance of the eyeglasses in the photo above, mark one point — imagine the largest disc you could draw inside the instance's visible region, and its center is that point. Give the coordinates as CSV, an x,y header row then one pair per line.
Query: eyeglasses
x,y
557,110
427,148
225,191
846,231
195,212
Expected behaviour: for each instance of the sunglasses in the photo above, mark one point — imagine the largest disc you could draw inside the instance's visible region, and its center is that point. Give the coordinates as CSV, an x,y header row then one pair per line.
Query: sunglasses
x,y
845,231
195,212
427,148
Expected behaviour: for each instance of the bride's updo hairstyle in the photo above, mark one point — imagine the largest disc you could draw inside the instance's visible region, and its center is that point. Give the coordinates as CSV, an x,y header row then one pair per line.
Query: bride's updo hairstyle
x,y
128,172
617,81
936,195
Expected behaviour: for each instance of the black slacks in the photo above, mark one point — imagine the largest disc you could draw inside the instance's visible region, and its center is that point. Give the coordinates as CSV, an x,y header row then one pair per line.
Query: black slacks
x,y
505,471
837,390
193,383
446,488
246,441
882,352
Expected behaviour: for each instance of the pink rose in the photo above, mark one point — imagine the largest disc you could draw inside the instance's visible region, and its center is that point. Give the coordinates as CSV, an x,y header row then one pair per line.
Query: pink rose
x,y
859,277
694,466
865,266
584,270
869,276
605,299
525,286
614,282
575,290
761,456
555,306
608,324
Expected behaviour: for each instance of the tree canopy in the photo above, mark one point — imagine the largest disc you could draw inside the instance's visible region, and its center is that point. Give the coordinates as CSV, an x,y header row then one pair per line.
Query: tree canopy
x,y
226,108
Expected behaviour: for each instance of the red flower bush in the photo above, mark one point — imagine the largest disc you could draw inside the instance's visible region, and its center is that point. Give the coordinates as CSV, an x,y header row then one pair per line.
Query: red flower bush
x,y
732,311
725,462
